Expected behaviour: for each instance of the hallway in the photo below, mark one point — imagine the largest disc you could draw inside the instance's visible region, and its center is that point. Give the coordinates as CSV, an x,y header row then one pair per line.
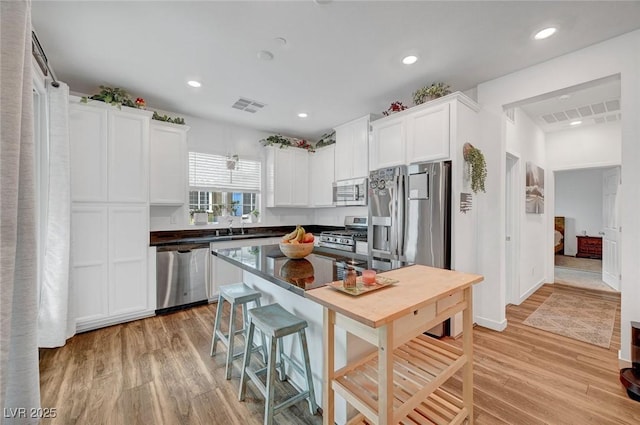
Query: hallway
x,y
580,272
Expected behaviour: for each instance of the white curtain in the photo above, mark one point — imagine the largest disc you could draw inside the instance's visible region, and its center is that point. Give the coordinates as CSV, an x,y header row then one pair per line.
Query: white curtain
x,y
56,321
19,375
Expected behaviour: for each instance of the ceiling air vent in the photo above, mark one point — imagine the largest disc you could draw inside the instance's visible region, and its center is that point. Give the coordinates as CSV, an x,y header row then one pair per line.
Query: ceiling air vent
x,y
613,105
248,105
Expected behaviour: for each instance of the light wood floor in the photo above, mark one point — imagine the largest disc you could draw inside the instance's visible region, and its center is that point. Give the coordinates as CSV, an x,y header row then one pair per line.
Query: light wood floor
x,y
158,371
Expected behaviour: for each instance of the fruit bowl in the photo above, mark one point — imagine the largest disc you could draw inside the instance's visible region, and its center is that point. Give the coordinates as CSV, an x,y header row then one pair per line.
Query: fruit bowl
x,y
299,250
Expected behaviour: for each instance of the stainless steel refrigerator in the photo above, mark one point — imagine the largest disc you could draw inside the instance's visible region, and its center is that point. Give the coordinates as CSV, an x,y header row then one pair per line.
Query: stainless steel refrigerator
x,y
410,216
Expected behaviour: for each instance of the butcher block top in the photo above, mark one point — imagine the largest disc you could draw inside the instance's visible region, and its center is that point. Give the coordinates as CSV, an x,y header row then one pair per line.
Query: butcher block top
x,y
417,287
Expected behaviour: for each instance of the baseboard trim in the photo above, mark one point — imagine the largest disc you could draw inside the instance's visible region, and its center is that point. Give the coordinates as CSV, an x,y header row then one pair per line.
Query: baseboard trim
x,y
623,363
491,324
530,292
91,325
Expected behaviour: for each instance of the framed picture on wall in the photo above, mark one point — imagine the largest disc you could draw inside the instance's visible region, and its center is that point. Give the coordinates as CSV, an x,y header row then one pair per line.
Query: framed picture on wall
x,y
535,189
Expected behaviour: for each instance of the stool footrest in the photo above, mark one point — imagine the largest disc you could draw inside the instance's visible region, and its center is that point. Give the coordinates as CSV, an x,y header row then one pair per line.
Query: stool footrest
x,y
290,401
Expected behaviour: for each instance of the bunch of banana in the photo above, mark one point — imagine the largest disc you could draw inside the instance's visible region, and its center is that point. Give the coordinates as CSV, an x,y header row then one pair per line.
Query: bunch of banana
x,y
298,236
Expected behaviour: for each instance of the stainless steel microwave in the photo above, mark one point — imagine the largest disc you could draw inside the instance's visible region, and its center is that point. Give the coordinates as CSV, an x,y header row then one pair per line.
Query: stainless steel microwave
x,y
350,192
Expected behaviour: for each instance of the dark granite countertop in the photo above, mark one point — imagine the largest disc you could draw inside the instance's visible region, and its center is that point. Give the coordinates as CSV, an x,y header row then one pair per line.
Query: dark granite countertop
x,y
191,236
317,269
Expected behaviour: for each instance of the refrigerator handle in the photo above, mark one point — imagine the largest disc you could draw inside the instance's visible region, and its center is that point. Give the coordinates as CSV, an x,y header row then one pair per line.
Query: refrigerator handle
x,y
393,231
401,201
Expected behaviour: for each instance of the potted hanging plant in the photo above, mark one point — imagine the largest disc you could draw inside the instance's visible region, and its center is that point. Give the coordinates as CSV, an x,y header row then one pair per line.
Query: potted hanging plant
x,y
431,92
476,167
254,216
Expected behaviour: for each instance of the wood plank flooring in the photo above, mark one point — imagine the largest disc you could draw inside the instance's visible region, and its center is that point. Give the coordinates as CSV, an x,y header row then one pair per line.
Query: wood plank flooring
x,y
158,371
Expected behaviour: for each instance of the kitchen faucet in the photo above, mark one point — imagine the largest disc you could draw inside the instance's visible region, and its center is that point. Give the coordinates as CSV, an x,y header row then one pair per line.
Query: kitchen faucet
x,y
230,221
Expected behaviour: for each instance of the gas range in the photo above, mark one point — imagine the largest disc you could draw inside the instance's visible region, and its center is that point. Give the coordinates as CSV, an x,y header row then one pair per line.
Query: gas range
x,y
345,240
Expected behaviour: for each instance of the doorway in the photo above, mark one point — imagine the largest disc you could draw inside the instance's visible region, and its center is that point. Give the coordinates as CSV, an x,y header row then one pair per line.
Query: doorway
x,y
585,206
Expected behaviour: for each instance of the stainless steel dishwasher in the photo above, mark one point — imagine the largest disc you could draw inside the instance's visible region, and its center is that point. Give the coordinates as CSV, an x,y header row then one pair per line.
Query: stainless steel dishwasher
x,y
182,276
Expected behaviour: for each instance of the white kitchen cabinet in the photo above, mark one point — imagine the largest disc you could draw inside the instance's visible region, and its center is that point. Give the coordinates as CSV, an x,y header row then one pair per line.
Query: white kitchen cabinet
x,y
388,145
167,163
128,144
109,269
128,284
89,267
428,134
109,153
352,149
287,177
321,177
88,152
110,213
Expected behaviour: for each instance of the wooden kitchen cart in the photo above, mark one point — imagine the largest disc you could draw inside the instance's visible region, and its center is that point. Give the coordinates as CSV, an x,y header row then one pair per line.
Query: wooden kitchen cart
x,y
400,381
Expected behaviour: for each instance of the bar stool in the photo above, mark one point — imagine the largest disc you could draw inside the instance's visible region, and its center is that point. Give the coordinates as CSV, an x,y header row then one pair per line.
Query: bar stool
x,y
276,323
235,294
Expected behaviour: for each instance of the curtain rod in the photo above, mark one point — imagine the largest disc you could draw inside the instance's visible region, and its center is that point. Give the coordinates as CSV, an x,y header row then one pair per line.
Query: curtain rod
x,y
41,58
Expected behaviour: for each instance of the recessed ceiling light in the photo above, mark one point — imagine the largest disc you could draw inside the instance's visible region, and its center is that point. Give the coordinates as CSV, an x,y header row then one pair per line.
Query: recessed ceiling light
x,y
409,60
545,33
564,97
194,83
575,122
302,115
265,55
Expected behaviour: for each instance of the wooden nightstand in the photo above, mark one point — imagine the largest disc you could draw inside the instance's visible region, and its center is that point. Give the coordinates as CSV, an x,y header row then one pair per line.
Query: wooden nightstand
x,y
589,247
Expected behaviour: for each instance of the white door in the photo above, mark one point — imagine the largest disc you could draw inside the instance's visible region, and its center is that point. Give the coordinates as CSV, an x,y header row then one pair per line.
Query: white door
x,y
128,155
89,267
428,135
128,237
512,266
611,221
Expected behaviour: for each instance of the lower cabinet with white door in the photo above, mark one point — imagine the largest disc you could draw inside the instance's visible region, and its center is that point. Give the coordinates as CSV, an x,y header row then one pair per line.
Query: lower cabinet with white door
x,y
109,265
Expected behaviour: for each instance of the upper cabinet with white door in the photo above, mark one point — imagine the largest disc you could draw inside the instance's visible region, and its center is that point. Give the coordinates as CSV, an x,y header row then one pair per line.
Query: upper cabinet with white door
x,y
388,144
167,163
426,132
109,151
321,178
287,177
352,149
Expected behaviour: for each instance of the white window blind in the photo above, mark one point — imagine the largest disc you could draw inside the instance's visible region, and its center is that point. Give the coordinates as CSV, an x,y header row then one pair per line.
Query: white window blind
x,y
209,172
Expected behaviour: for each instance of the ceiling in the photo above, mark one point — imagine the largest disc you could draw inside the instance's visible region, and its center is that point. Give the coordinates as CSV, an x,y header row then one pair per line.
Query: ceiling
x,y
340,60
591,103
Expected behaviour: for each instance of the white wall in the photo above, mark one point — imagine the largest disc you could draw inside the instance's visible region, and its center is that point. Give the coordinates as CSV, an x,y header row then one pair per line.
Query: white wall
x,y
620,55
585,147
578,198
526,140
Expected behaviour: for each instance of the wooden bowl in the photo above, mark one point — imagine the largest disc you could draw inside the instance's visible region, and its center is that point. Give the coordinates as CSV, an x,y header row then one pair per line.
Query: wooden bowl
x,y
300,250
